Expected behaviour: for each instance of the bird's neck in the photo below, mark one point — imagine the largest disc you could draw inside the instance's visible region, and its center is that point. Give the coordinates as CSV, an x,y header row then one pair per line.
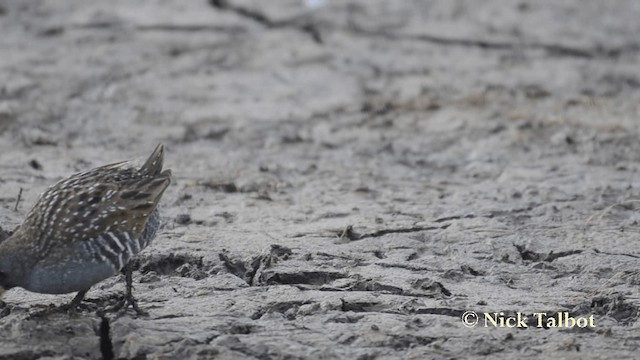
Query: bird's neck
x,y
15,257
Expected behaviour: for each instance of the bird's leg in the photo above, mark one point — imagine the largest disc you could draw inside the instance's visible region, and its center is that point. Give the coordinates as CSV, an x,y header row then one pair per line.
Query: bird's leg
x,y
128,298
70,307
73,305
77,299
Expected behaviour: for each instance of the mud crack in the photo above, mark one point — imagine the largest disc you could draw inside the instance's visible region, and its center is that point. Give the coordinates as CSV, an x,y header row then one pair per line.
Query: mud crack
x,y
182,265
529,255
298,24
551,49
349,234
251,271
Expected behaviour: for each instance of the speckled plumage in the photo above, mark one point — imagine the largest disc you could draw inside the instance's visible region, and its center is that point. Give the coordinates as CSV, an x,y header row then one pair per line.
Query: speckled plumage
x,y
85,228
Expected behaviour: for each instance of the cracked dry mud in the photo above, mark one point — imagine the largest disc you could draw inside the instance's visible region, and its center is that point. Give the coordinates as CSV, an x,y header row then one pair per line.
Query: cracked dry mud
x,y
349,179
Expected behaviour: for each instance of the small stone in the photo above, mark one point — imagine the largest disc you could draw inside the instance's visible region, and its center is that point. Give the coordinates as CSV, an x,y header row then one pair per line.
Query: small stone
x,y
183,219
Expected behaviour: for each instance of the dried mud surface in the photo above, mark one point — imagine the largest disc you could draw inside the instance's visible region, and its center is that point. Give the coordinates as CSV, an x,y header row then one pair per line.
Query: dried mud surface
x,y
349,178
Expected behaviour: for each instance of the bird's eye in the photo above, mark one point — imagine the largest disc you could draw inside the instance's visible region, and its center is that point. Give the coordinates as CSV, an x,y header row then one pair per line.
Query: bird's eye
x,y
94,200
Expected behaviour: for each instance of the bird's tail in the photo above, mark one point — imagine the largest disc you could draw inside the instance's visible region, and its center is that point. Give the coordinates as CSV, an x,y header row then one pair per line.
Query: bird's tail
x,y
143,193
153,165
158,179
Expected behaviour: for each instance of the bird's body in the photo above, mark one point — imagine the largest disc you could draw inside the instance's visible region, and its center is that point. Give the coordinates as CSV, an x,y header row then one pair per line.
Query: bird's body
x,y
85,228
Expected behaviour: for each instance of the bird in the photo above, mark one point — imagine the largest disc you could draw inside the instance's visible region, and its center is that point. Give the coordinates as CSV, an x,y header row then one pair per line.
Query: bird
x,y
87,228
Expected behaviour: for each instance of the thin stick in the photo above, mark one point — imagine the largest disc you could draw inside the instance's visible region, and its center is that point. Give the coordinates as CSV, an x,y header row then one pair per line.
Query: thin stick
x,y
15,208
607,209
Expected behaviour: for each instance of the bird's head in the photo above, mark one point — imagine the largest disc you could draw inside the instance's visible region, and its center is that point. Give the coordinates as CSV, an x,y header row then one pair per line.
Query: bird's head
x,y
3,287
5,283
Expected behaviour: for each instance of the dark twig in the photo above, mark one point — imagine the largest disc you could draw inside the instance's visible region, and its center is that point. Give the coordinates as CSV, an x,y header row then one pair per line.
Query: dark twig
x,y
15,208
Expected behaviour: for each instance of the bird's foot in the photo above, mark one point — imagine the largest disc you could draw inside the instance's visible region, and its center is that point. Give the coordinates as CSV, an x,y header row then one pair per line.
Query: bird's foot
x,y
124,303
72,308
69,309
128,299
